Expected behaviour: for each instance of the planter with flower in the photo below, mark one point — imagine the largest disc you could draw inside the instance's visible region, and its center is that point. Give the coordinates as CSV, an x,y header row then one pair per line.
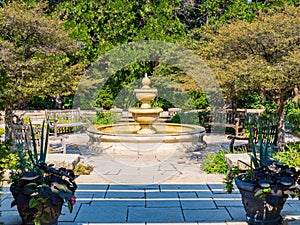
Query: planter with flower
x,y
39,190
265,186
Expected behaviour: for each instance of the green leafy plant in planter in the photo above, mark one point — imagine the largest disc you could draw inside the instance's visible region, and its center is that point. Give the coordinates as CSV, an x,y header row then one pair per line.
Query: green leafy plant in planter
x,y
39,190
265,186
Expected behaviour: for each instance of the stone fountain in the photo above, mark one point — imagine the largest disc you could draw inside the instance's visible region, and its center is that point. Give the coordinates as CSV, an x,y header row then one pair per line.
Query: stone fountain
x,y
145,135
145,116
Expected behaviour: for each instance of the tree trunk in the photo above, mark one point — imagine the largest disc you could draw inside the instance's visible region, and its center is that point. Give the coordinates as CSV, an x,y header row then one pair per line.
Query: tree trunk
x,y
58,102
234,109
8,118
296,94
280,114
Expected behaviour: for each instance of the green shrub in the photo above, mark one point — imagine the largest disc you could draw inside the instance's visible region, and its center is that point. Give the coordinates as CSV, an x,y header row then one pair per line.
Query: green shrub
x,y
105,118
83,169
215,163
290,156
186,118
8,160
293,118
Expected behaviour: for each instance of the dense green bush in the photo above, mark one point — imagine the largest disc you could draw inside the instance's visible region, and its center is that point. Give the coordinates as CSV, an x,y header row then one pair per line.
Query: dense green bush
x,y
187,118
290,156
2,131
8,160
105,118
215,163
293,118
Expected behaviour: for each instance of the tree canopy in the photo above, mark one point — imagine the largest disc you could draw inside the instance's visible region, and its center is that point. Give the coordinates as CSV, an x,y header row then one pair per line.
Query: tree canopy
x,y
37,55
104,25
262,56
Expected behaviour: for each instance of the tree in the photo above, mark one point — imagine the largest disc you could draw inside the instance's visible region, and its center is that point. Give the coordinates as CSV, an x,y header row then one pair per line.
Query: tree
x,y
37,57
102,25
262,56
195,13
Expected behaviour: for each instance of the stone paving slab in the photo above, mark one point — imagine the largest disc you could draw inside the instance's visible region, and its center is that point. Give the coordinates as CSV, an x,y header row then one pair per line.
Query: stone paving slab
x,y
102,213
191,201
10,217
150,215
119,202
207,215
162,199
125,194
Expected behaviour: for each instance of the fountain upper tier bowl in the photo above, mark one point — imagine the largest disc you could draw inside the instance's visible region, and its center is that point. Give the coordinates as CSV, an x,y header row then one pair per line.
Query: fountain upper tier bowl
x,y
120,137
145,96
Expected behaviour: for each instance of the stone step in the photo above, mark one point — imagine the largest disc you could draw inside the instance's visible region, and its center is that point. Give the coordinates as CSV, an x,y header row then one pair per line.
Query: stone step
x,y
68,161
237,159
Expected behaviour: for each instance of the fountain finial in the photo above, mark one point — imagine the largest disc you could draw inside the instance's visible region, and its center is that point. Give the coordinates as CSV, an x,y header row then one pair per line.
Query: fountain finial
x,y
146,82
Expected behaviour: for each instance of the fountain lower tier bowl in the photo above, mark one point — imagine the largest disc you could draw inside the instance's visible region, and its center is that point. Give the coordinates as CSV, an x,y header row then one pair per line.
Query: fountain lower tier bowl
x,y
145,118
123,138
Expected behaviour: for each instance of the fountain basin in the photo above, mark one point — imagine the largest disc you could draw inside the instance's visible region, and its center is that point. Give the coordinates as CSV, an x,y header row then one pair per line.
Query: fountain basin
x,y
168,137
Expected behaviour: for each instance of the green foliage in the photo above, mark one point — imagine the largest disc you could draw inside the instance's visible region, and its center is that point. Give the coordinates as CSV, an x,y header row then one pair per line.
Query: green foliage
x,y
3,159
198,13
83,169
40,44
38,57
290,156
230,176
199,99
8,159
102,25
293,118
105,99
67,102
244,58
41,103
187,118
103,118
215,163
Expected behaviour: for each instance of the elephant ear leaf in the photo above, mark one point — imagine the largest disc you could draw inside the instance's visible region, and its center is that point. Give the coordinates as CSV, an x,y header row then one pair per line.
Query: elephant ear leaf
x,y
45,217
44,191
70,207
30,188
33,203
13,203
65,194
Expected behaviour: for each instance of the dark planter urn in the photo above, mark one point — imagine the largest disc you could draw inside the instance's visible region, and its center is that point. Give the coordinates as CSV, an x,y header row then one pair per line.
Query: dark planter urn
x,y
28,215
259,211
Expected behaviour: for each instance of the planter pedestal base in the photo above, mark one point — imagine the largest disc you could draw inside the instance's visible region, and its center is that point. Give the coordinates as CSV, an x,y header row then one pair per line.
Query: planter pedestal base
x,y
251,221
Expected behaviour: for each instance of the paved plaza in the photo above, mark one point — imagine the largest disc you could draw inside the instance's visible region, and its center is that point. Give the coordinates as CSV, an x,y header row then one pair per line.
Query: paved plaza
x,y
180,192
